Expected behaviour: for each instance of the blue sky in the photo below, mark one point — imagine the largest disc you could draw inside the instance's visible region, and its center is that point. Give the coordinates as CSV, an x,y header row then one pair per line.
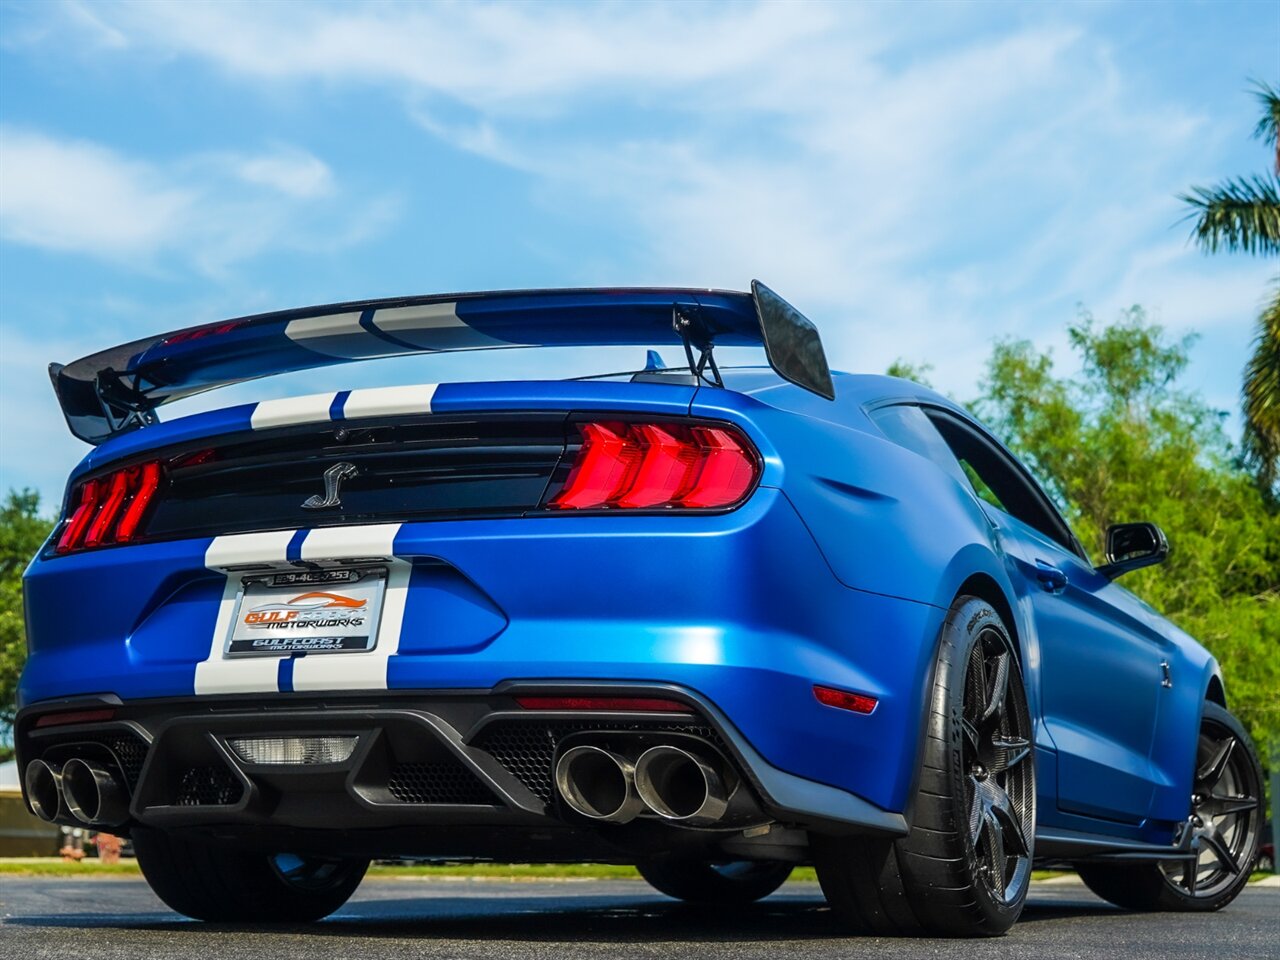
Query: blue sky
x,y
920,179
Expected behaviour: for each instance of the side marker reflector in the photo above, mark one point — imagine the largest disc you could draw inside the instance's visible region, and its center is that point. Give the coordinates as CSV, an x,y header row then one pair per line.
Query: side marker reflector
x,y
844,700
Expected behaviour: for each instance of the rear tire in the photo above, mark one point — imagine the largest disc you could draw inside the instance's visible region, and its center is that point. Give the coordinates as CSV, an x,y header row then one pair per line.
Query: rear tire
x,y
723,885
207,881
964,868
1225,827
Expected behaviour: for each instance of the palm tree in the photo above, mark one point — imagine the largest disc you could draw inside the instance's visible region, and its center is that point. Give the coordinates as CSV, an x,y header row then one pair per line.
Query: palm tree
x,y
1243,215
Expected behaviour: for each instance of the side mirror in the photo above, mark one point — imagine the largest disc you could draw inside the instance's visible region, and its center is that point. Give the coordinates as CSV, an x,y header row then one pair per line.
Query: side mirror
x,y
1132,546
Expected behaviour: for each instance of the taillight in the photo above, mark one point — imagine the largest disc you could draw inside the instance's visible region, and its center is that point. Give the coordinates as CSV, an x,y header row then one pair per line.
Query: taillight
x,y
110,508
633,704
647,466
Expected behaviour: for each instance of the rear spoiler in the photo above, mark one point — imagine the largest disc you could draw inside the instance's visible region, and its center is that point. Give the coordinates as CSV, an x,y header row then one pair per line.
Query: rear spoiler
x,y
120,389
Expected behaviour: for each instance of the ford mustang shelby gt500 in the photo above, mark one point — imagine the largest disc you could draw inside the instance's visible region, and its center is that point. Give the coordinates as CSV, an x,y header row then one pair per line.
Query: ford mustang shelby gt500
x,y
713,621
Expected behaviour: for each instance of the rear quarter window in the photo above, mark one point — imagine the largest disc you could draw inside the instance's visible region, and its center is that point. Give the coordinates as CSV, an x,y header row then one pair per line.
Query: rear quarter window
x,y
909,427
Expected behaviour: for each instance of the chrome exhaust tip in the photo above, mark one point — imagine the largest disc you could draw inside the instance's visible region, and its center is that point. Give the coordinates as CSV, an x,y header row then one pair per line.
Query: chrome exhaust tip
x,y
598,784
93,794
44,789
678,785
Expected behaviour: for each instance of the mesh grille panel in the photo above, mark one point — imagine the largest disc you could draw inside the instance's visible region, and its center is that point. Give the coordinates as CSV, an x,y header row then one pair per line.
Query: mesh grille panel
x,y
526,747
440,782
208,787
130,751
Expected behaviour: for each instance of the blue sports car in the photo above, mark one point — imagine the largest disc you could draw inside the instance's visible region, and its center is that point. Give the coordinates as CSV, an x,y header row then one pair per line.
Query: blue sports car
x,y
712,621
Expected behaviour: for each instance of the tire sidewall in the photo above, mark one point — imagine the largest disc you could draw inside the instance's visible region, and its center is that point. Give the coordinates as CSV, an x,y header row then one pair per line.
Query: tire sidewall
x,y
970,619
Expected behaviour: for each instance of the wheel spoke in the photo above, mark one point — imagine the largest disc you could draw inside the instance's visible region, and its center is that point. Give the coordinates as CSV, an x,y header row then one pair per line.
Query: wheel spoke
x,y
1189,875
1221,806
996,694
970,735
1011,836
976,683
995,852
1013,750
977,813
1219,846
1211,772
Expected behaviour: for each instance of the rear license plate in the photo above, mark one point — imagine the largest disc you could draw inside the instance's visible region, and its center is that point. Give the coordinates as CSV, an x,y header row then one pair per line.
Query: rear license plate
x,y
326,611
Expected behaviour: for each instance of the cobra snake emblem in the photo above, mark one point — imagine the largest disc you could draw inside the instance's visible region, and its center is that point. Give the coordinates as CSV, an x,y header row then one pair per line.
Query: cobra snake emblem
x,y
333,478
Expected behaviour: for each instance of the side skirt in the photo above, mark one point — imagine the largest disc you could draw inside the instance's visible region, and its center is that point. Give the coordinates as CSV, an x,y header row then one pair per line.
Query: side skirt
x,y
1067,845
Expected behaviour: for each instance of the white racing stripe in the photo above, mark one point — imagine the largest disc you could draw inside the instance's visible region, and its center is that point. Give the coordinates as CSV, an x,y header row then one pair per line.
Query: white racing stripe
x,y
339,335
218,674
432,326
368,670
291,410
316,407
386,401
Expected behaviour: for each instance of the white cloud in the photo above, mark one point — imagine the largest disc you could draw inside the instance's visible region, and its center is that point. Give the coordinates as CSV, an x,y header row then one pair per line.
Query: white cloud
x,y
919,184
212,210
290,171
505,57
77,196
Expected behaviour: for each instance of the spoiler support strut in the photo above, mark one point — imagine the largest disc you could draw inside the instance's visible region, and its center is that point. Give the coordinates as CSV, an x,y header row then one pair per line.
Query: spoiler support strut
x,y
688,323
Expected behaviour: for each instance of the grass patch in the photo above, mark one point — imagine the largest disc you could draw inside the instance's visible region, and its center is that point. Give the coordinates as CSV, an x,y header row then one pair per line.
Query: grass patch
x,y
529,871
90,867
57,867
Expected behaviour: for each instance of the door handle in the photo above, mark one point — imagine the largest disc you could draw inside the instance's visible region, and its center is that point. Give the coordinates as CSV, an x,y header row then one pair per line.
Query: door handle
x,y
1051,578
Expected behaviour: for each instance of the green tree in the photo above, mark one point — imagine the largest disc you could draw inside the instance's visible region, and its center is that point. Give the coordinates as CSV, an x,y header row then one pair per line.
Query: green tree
x,y
1243,215
1121,441
915,372
22,531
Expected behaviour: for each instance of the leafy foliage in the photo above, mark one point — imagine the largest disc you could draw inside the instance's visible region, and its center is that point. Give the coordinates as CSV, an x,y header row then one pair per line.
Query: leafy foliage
x,y
1240,215
1262,399
915,372
1243,215
1268,128
1121,442
22,531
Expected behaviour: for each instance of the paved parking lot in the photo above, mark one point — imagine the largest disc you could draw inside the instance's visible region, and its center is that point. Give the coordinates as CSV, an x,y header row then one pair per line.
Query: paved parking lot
x,y
394,918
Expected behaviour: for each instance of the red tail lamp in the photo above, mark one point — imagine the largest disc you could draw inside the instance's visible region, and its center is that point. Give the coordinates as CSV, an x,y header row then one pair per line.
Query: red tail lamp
x,y
844,700
637,704
76,716
646,466
110,508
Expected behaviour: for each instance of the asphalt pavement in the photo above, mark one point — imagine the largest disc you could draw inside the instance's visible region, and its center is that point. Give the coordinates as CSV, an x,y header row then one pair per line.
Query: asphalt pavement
x,y
400,918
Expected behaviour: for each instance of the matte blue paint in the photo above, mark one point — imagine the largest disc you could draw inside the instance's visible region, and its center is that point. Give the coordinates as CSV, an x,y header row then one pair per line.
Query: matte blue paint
x,y
838,570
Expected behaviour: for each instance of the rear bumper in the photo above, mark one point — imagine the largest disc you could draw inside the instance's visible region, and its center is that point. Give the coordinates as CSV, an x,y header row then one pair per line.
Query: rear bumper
x,y
739,610
422,765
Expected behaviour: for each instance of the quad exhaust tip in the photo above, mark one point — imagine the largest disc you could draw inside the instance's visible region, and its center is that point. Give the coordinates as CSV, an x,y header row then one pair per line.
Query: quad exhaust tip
x,y
44,789
678,785
672,783
598,784
93,794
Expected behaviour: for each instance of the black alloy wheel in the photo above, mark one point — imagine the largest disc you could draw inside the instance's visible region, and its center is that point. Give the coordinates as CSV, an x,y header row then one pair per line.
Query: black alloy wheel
x,y
1223,826
1220,836
1000,786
